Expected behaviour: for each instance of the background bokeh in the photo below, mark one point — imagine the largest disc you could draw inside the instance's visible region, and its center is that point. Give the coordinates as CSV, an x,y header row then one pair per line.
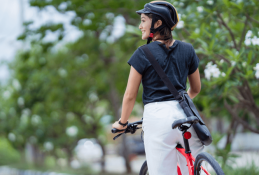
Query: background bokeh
x,y
64,72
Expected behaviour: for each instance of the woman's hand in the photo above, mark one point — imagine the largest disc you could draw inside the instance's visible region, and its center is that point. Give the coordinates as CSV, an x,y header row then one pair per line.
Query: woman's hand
x,y
118,126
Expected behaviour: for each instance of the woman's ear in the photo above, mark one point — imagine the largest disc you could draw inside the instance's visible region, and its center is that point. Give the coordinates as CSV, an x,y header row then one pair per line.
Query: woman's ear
x,y
158,23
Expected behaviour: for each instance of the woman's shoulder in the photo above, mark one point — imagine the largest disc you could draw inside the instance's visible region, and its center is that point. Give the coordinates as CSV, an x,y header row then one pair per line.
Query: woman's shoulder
x,y
185,47
138,53
184,44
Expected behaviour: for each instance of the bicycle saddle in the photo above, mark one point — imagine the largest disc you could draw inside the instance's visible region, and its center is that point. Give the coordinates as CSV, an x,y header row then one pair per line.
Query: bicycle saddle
x,y
191,120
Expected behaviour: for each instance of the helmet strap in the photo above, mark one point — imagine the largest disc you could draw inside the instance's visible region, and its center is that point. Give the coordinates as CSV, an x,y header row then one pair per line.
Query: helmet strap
x,y
150,38
154,30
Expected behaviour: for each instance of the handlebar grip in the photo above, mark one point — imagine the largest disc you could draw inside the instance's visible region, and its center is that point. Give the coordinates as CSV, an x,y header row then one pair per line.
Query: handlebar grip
x,y
114,130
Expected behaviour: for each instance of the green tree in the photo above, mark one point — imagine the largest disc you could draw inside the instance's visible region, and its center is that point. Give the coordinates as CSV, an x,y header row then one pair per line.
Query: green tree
x,y
101,69
220,32
61,88
52,90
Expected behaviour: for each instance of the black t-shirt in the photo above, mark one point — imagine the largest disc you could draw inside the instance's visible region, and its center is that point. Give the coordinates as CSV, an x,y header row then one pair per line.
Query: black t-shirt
x,y
178,62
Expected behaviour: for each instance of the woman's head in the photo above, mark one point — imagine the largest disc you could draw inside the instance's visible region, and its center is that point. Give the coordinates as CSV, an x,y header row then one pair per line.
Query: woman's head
x,y
159,18
163,34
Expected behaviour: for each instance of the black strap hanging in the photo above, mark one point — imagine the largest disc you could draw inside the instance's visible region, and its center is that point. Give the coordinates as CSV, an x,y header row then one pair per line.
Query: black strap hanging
x,y
161,73
185,101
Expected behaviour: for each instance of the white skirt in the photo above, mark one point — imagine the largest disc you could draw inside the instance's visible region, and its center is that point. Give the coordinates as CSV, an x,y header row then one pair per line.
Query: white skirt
x,y
160,139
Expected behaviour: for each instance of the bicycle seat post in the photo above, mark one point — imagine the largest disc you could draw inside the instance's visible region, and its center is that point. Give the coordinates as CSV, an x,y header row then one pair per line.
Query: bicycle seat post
x,y
184,129
186,145
187,135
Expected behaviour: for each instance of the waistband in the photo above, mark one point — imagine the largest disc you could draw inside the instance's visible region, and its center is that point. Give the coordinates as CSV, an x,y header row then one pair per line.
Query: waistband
x,y
171,102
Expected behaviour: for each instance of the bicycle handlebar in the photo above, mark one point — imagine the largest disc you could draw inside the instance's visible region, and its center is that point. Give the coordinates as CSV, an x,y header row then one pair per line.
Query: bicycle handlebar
x,y
131,127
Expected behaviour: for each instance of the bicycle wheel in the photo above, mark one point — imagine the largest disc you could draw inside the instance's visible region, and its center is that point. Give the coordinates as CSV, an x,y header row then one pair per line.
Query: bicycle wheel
x,y
206,164
144,169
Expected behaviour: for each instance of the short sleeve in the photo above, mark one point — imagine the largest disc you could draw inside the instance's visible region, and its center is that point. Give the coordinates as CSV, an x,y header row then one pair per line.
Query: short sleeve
x,y
139,61
194,62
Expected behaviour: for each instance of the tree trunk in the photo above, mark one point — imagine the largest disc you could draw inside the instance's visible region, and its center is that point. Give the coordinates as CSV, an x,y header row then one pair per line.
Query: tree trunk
x,y
69,156
103,156
34,155
40,157
231,132
220,126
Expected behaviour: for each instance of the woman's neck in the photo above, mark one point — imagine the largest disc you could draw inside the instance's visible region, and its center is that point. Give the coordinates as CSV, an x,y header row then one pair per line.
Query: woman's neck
x,y
157,36
161,41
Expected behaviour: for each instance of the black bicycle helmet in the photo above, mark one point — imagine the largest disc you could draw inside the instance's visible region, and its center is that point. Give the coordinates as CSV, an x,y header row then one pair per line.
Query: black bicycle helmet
x,y
161,9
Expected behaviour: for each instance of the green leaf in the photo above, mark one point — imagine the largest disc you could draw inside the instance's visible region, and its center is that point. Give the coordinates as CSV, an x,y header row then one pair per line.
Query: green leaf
x,y
208,33
249,57
21,37
248,74
203,44
202,27
226,2
230,53
229,70
235,5
255,31
211,44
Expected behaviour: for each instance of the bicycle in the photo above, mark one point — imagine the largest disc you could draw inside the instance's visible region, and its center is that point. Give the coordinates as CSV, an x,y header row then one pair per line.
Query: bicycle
x,y
202,160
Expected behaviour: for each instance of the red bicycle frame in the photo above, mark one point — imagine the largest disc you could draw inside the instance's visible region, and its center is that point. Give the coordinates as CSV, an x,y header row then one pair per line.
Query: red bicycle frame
x,y
188,156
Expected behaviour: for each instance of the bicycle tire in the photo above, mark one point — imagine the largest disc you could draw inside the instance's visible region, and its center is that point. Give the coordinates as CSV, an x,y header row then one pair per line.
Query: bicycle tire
x,y
144,169
206,157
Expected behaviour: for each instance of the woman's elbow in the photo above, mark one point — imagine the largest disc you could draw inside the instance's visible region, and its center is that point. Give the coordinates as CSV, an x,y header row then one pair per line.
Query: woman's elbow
x,y
129,96
197,90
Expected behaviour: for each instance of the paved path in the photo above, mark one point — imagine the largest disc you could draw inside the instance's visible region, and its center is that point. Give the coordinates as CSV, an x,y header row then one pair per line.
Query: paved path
x,y
115,164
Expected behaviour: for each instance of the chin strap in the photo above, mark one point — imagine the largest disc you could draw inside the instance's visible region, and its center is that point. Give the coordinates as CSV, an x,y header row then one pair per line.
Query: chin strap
x,y
150,38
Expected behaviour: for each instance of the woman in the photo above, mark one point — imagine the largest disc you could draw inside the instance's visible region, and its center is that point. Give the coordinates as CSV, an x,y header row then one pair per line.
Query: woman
x,y
179,61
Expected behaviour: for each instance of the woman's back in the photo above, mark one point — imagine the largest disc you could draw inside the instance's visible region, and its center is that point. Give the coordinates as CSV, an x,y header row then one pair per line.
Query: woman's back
x,y
178,62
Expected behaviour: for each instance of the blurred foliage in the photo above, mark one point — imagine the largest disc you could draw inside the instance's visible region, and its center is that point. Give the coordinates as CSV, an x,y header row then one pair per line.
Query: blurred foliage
x,y
252,169
219,32
7,153
59,93
224,156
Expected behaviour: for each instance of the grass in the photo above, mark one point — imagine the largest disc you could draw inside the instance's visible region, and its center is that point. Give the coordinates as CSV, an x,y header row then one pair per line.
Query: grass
x,y
250,170
66,170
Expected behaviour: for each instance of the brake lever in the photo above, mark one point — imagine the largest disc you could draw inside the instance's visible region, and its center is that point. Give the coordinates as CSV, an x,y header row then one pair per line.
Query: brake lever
x,y
117,136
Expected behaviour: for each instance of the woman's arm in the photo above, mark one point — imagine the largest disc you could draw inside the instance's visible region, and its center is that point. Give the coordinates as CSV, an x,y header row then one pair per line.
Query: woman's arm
x,y
129,97
195,84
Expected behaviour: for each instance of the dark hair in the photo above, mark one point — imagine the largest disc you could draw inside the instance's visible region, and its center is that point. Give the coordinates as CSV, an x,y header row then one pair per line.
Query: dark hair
x,y
164,32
